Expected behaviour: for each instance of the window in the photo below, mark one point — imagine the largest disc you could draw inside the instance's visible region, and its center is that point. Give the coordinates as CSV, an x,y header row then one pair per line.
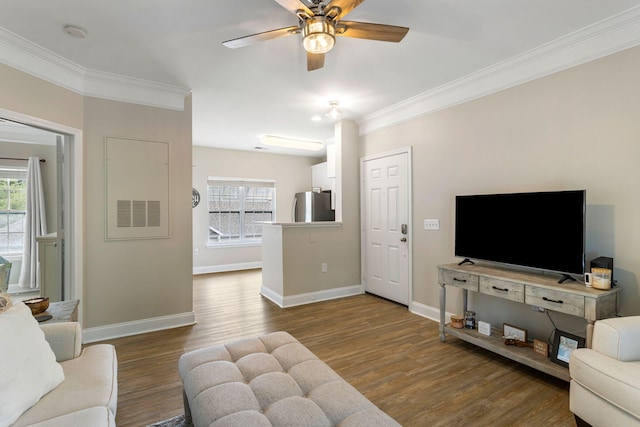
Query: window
x,y
13,192
237,209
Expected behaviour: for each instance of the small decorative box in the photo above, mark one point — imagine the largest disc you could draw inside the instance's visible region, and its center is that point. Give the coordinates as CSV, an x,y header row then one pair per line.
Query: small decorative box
x,y
484,328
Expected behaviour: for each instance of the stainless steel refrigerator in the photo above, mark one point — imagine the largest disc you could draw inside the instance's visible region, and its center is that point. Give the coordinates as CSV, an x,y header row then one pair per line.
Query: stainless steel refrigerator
x,y
310,206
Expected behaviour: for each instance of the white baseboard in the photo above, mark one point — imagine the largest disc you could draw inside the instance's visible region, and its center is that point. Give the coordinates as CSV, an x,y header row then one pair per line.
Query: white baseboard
x,y
310,297
227,267
429,312
120,330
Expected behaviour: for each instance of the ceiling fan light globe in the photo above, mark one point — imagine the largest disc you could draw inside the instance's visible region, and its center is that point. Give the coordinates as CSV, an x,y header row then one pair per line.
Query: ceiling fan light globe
x,y
318,35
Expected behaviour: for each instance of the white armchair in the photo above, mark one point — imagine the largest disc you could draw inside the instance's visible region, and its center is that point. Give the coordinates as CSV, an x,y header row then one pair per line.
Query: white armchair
x,y
88,395
605,379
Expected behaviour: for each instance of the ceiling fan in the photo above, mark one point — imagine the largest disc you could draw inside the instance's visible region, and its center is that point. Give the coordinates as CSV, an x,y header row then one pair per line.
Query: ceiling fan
x,y
319,23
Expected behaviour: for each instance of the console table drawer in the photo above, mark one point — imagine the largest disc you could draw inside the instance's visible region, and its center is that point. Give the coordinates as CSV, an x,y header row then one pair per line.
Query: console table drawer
x,y
502,289
460,280
555,300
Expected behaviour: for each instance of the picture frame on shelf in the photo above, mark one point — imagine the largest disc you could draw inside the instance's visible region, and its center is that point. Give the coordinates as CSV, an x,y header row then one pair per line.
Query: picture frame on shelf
x,y
511,332
563,345
541,348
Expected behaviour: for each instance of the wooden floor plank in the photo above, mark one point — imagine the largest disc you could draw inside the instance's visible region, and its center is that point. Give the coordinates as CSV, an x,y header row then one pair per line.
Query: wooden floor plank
x,y
393,357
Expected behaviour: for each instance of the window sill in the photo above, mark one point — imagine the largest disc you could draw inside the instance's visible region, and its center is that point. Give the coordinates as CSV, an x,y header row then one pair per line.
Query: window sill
x,y
233,245
19,293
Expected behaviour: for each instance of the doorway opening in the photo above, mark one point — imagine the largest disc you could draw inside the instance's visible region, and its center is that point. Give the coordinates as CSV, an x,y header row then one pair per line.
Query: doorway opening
x,y
66,203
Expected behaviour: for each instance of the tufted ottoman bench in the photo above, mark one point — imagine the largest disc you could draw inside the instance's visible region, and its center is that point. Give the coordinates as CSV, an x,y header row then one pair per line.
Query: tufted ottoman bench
x,y
271,380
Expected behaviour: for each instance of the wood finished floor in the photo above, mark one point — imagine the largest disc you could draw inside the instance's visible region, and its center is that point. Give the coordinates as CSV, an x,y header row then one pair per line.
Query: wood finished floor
x,y
393,357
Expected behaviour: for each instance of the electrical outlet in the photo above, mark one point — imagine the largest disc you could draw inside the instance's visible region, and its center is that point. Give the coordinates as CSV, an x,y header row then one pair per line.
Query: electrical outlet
x,y
324,267
432,224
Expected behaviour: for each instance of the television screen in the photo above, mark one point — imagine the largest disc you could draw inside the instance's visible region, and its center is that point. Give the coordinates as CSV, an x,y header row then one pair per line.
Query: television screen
x,y
544,230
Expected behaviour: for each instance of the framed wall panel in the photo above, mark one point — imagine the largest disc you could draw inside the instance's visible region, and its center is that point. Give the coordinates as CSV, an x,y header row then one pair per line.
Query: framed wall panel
x,y
137,189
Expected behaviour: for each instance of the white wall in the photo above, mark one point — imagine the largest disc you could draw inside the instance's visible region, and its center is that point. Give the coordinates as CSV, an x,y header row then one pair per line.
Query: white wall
x,y
292,174
572,130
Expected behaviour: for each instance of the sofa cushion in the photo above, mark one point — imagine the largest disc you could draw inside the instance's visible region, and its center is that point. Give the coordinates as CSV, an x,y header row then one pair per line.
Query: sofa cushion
x,y
91,380
98,416
618,337
612,380
64,338
597,411
28,367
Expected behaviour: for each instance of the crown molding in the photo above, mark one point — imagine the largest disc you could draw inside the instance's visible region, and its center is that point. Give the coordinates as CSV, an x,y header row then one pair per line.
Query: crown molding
x,y
600,39
26,56
603,38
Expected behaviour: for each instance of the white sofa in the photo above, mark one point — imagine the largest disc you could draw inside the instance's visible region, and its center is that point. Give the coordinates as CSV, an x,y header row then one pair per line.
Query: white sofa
x,y
605,379
48,379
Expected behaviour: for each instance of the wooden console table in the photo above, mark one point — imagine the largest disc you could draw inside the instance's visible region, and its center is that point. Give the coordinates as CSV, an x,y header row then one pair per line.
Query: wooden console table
x,y
527,288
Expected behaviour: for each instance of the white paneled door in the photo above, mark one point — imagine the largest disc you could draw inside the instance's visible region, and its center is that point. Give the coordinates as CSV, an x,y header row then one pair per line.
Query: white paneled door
x,y
386,220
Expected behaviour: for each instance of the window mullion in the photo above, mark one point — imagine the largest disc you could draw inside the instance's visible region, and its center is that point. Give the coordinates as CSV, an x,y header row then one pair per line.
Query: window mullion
x,y
243,197
242,204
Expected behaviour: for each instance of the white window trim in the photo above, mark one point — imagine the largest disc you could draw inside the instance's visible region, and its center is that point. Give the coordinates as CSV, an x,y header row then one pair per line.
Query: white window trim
x,y
12,171
248,243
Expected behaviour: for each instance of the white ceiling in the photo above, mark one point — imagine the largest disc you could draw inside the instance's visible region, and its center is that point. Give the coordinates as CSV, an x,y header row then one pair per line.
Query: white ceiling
x,y
239,94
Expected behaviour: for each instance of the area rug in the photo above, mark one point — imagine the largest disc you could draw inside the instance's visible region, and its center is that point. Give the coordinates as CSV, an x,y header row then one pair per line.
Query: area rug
x,y
177,421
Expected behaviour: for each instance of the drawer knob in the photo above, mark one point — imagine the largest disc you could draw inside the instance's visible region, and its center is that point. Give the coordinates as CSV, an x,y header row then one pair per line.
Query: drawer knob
x,y
455,279
557,301
500,289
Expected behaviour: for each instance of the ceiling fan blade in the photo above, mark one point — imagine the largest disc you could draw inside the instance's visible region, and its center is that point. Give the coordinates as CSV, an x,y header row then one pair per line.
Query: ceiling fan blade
x,y
345,6
260,37
315,61
365,30
294,6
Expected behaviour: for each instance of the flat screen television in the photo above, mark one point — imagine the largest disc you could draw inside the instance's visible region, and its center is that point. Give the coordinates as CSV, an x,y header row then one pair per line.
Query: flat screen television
x,y
542,230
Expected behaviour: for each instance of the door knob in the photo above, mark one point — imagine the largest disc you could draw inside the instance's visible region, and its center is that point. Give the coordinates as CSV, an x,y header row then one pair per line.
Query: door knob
x,y
404,239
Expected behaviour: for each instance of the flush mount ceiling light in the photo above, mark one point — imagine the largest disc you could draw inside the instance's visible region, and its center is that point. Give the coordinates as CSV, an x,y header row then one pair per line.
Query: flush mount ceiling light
x,y
75,31
298,144
335,112
318,35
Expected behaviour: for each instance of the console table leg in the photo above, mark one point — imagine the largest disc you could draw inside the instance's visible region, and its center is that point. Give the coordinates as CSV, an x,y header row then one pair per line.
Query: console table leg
x,y
589,333
443,310
465,296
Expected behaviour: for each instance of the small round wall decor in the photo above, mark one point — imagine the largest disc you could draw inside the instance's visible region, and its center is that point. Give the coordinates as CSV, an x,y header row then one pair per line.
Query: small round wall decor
x,y
195,197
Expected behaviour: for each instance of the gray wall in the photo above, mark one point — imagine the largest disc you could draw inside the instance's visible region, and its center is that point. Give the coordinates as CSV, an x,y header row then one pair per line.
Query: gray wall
x,y
577,129
296,253
124,281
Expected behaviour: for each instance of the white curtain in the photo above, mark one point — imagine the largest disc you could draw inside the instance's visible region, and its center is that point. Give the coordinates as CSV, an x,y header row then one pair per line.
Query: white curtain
x,y
35,225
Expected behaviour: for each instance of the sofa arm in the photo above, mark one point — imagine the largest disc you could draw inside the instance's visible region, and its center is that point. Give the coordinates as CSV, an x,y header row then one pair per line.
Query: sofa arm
x,y
618,338
65,339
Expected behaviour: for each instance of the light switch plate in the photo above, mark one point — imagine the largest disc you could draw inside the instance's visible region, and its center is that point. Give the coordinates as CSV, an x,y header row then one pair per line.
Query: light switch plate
x,y
432,224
